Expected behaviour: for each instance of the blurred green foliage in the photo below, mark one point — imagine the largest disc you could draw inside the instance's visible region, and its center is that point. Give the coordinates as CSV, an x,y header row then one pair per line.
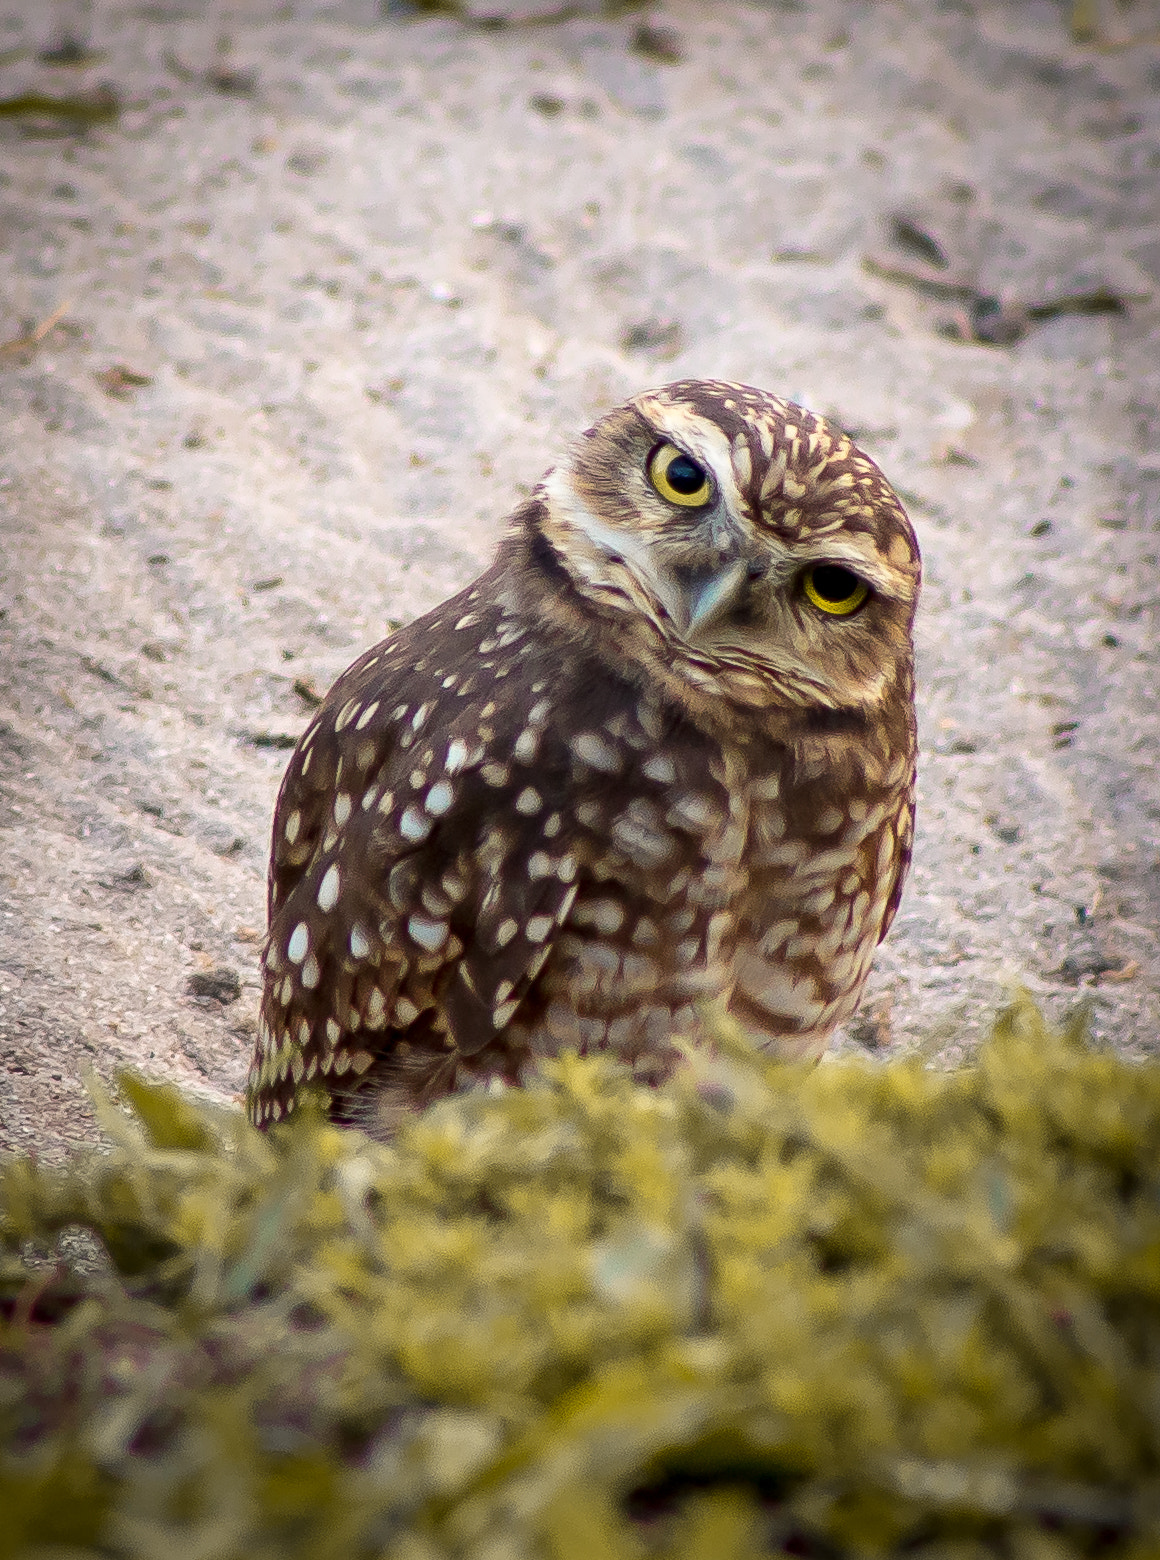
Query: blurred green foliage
x,y
861,1310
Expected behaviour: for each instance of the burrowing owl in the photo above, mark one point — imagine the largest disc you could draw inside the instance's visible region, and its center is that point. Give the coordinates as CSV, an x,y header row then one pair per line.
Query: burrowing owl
x,y
662,751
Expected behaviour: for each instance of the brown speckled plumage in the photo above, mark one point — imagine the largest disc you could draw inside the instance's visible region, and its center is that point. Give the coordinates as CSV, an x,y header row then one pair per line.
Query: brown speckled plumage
x,y
631,767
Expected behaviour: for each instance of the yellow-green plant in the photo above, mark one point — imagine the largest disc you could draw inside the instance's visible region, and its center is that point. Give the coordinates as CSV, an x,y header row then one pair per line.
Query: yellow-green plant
x,y
868,1309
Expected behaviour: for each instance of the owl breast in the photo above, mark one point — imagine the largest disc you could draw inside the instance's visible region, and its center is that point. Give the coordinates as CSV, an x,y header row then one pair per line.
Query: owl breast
x,y
826,854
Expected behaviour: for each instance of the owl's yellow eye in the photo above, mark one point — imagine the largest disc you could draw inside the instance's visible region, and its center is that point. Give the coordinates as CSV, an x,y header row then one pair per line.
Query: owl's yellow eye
x,y
678,478
833,589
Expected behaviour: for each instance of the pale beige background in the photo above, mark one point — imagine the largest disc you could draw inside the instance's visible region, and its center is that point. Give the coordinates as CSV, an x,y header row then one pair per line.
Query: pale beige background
x,y
376,287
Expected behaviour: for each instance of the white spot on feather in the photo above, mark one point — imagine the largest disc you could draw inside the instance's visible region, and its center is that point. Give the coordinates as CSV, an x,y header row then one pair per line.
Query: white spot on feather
x,y
456,756
439,798
413,825
595,751
660,768
429,934
505,931
328,888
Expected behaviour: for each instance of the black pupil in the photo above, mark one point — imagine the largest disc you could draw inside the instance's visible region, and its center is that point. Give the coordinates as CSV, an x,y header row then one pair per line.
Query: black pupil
x,y
833,583
684,475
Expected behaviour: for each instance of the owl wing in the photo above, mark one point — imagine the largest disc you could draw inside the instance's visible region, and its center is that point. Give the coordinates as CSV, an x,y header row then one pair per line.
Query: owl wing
x,y
415,887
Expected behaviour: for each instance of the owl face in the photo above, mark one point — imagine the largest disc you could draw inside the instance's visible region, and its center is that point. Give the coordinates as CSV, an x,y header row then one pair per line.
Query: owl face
x,y
762,548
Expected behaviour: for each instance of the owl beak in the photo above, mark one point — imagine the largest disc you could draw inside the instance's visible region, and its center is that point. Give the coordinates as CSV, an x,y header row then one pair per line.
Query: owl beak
x,y
708,594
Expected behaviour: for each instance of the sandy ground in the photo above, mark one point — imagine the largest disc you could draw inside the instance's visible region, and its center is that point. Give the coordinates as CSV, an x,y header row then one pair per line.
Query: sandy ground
x,y
332,288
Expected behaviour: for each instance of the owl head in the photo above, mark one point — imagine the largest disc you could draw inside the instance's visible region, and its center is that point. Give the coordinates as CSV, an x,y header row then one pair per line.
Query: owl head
x,y
741,544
